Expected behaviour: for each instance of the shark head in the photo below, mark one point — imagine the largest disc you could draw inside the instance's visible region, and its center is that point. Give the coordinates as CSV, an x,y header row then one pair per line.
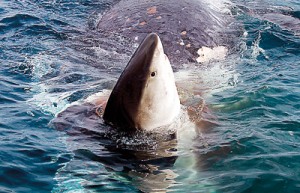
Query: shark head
x,y
145,96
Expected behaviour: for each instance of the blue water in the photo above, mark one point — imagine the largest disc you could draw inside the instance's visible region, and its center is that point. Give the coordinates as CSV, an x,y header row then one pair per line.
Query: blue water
x,y
51,55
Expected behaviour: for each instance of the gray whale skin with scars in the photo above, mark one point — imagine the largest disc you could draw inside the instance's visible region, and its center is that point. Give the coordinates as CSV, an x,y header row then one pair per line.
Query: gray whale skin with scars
x,y
184,26
145,96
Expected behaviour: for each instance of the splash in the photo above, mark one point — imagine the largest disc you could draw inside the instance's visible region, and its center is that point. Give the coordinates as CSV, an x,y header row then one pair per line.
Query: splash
x,y
45,67
256,49
211,78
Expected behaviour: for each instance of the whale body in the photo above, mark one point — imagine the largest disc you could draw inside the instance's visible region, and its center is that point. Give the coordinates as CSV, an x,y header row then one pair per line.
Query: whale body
x,y
184,26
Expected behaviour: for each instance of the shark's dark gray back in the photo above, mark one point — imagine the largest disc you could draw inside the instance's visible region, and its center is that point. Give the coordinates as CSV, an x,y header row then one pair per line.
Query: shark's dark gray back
x,y
183,25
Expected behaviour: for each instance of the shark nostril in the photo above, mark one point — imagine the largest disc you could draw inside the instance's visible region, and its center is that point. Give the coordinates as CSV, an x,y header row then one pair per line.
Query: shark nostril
x,y
153,74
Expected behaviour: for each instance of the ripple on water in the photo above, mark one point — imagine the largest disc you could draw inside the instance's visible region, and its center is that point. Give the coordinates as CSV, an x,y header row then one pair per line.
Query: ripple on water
x,y
19,20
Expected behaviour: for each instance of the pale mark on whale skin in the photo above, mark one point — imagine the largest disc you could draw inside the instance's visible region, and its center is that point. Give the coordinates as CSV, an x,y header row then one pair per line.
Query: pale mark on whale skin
x,y
207,54
184,26
152,10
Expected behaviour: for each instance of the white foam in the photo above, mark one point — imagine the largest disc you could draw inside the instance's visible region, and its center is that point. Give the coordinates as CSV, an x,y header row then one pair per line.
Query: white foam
x,y
48,102
206,81
41,65
256,49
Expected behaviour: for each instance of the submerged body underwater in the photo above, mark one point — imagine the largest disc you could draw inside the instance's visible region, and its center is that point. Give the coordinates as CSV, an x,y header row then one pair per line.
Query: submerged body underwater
x,y
52,56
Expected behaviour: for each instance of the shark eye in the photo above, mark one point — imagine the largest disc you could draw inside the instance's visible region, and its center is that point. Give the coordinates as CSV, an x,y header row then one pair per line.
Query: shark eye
x,y
153,74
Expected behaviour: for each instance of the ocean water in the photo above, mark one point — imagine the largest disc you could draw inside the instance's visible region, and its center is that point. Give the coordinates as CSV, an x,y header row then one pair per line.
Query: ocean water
x,y
52,56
